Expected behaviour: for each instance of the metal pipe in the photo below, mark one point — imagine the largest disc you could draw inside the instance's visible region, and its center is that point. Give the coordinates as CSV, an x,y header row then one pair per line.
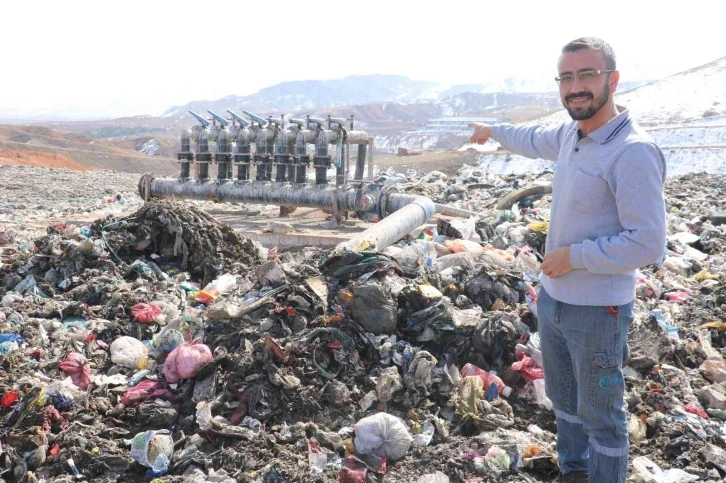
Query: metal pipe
x,y
186,156
284,151
204,157
357,137
302,160
401,213
340,167
268,193
360,164
409,212
242,155
223,155
453,211
321,161
371,153
263,151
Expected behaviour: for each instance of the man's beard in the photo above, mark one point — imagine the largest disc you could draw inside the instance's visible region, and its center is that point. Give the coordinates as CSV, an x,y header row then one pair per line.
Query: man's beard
x,y
583,113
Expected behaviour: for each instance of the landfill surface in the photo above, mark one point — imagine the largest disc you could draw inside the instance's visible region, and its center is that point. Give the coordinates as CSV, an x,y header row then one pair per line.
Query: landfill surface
x,y
153,343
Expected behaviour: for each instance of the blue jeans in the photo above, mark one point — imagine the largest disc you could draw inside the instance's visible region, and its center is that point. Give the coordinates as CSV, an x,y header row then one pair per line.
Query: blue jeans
x,y
583,348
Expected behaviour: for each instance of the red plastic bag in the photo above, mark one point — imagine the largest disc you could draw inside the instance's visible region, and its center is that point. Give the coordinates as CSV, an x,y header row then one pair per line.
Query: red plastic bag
x,y
679,296
76,366
146,313
697,410
185,361
147,390
354,471
9,398
528,367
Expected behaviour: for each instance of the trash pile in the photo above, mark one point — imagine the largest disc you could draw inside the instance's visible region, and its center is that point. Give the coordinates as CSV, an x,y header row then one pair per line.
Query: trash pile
x,y
163,346
66,194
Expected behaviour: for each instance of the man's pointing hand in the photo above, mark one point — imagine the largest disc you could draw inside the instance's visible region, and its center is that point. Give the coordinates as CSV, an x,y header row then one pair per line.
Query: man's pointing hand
x,y
482,132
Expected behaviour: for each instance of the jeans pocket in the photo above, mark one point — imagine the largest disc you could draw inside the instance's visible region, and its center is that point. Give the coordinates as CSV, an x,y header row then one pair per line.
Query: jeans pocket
x,y
607,383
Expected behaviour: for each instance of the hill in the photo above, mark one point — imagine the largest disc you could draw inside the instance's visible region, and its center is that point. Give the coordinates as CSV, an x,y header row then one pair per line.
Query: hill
x,y
42,146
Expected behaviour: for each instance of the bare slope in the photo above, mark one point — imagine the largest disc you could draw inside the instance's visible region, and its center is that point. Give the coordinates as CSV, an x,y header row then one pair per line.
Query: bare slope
x,y
86,151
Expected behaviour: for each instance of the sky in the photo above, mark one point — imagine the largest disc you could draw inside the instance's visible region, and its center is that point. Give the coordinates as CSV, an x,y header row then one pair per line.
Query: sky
x,y
112,58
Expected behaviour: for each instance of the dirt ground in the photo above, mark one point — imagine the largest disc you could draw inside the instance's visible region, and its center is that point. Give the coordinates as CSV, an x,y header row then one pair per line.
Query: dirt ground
x,y
40,160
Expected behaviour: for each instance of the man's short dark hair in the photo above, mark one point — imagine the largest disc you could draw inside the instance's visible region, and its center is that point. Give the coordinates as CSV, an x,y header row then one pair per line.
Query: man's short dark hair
x,y
593,43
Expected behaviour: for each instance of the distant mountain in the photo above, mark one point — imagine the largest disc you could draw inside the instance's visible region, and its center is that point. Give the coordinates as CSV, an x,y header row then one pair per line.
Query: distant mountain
x,y
309,95
312,94
472,103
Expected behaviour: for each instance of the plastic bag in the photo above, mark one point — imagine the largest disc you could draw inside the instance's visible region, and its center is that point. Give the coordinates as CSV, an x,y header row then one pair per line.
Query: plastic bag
x,y
540,397
146,313
437,477
458,246
383,435
214,289
147,389
153,449
76,366
129,352
636,429
649,472
388,383
168,340
185,361
417,253
528,367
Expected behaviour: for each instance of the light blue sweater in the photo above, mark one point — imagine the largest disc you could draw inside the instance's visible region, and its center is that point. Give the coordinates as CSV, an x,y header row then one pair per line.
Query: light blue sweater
x,y
607,204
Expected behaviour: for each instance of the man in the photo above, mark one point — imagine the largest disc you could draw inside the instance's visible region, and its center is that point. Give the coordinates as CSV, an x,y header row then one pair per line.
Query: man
x,y
607,220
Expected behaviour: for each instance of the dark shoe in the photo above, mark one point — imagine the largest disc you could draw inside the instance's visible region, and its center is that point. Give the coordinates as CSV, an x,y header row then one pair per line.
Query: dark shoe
x,y
573,477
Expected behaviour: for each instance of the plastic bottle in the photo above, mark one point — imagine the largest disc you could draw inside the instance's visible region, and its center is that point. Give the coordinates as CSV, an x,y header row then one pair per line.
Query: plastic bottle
x,y
488,379
214,289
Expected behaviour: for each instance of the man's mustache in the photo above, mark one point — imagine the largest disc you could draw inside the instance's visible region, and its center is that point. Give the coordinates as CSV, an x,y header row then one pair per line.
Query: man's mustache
x,y
569,97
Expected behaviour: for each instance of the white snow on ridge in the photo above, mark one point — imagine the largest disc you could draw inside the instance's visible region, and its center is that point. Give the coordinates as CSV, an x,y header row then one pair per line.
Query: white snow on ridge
x,y
410,141
684,135
678,161
150,147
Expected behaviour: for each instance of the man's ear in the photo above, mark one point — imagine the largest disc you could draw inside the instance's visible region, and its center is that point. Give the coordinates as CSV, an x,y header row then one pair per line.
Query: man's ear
x,y
614,79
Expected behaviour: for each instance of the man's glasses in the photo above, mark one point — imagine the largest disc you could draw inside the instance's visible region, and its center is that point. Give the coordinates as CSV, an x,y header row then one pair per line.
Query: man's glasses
x,y
582,75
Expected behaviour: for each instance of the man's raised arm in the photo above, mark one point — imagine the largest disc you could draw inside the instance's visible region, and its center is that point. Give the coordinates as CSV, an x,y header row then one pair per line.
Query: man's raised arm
x,y
529,141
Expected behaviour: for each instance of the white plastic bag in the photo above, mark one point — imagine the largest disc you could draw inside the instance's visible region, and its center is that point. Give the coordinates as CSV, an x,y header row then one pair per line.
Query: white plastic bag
x,y
383,435
153,449
129,352
223,284
437,477
539,393
646,471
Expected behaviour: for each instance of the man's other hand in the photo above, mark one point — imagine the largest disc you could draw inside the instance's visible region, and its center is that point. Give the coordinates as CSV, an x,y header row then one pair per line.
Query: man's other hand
x,y
482,132
557,262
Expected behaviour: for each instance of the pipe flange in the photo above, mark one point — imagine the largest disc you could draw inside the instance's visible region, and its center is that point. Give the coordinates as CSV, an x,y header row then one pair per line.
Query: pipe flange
x,y
145,186
382,200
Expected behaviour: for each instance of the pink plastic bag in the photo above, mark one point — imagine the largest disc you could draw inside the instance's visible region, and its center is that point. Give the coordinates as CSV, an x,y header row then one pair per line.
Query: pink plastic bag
x,y
145,313
185,361
679,296
76,366
528,367
147,390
